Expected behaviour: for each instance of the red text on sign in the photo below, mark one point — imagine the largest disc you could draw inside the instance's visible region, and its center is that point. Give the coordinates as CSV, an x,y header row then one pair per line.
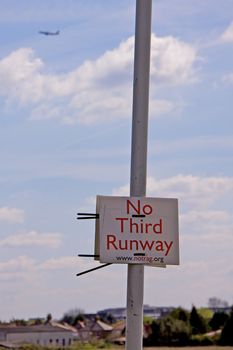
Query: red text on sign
x,y
146,209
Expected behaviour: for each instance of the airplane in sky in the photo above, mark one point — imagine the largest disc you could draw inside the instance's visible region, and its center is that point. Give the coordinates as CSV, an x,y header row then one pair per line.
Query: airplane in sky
x,y
49,33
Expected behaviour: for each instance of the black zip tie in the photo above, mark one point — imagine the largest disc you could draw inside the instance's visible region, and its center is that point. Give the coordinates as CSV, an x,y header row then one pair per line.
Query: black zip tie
x,y
88,256
84,216
138,216
95,268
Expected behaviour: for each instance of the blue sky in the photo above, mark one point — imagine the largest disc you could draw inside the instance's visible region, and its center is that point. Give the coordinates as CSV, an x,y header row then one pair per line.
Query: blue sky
x,y
65,135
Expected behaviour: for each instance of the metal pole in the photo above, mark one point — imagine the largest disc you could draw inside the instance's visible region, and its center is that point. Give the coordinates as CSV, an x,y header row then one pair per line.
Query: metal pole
x,y
135,281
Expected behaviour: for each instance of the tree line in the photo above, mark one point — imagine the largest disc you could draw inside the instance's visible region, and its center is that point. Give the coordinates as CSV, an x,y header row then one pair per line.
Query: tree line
x,y
181,328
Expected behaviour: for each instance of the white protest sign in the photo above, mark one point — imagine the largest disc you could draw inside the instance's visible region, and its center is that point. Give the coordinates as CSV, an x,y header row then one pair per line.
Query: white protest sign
x,y
137,230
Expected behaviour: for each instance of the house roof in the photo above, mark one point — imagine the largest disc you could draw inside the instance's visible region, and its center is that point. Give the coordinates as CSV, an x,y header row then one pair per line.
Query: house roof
x,y
64,326
119,326
32,329
104,326
95,326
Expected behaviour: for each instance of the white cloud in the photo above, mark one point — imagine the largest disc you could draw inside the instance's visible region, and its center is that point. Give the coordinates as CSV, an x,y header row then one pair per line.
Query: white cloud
x,y
100,89
65,262
208,230
191,190
18,268
17,72
32,238
11,215
172,61
160,107
17,264
227,36
208,215
24,267
220,241
121,191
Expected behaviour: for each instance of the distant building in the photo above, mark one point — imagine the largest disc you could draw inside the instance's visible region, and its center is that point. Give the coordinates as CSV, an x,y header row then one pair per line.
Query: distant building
x,y
44,335
93,329
119,313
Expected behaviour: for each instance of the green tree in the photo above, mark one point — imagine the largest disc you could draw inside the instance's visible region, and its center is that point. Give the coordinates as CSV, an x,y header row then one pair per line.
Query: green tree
x,y
197,322
174,331
227,334
206,313
169,331
154,336
72,316
180,314
19,322
38,321
218,320
48,318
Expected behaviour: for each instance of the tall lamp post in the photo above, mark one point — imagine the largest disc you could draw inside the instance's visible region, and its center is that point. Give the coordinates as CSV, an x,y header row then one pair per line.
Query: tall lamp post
x,y
135,280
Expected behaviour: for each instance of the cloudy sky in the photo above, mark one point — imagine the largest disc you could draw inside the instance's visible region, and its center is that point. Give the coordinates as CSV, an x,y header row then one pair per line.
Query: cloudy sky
x,y
65,134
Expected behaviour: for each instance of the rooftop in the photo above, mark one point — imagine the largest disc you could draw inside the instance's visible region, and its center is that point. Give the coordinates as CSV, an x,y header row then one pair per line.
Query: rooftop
x,y
33,329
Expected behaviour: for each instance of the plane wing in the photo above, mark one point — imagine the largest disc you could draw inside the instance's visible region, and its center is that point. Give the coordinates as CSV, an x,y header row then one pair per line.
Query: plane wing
x,y
49,33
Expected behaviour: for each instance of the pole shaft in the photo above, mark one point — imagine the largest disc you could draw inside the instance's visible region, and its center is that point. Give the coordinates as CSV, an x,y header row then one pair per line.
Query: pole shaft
x,y
135,281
